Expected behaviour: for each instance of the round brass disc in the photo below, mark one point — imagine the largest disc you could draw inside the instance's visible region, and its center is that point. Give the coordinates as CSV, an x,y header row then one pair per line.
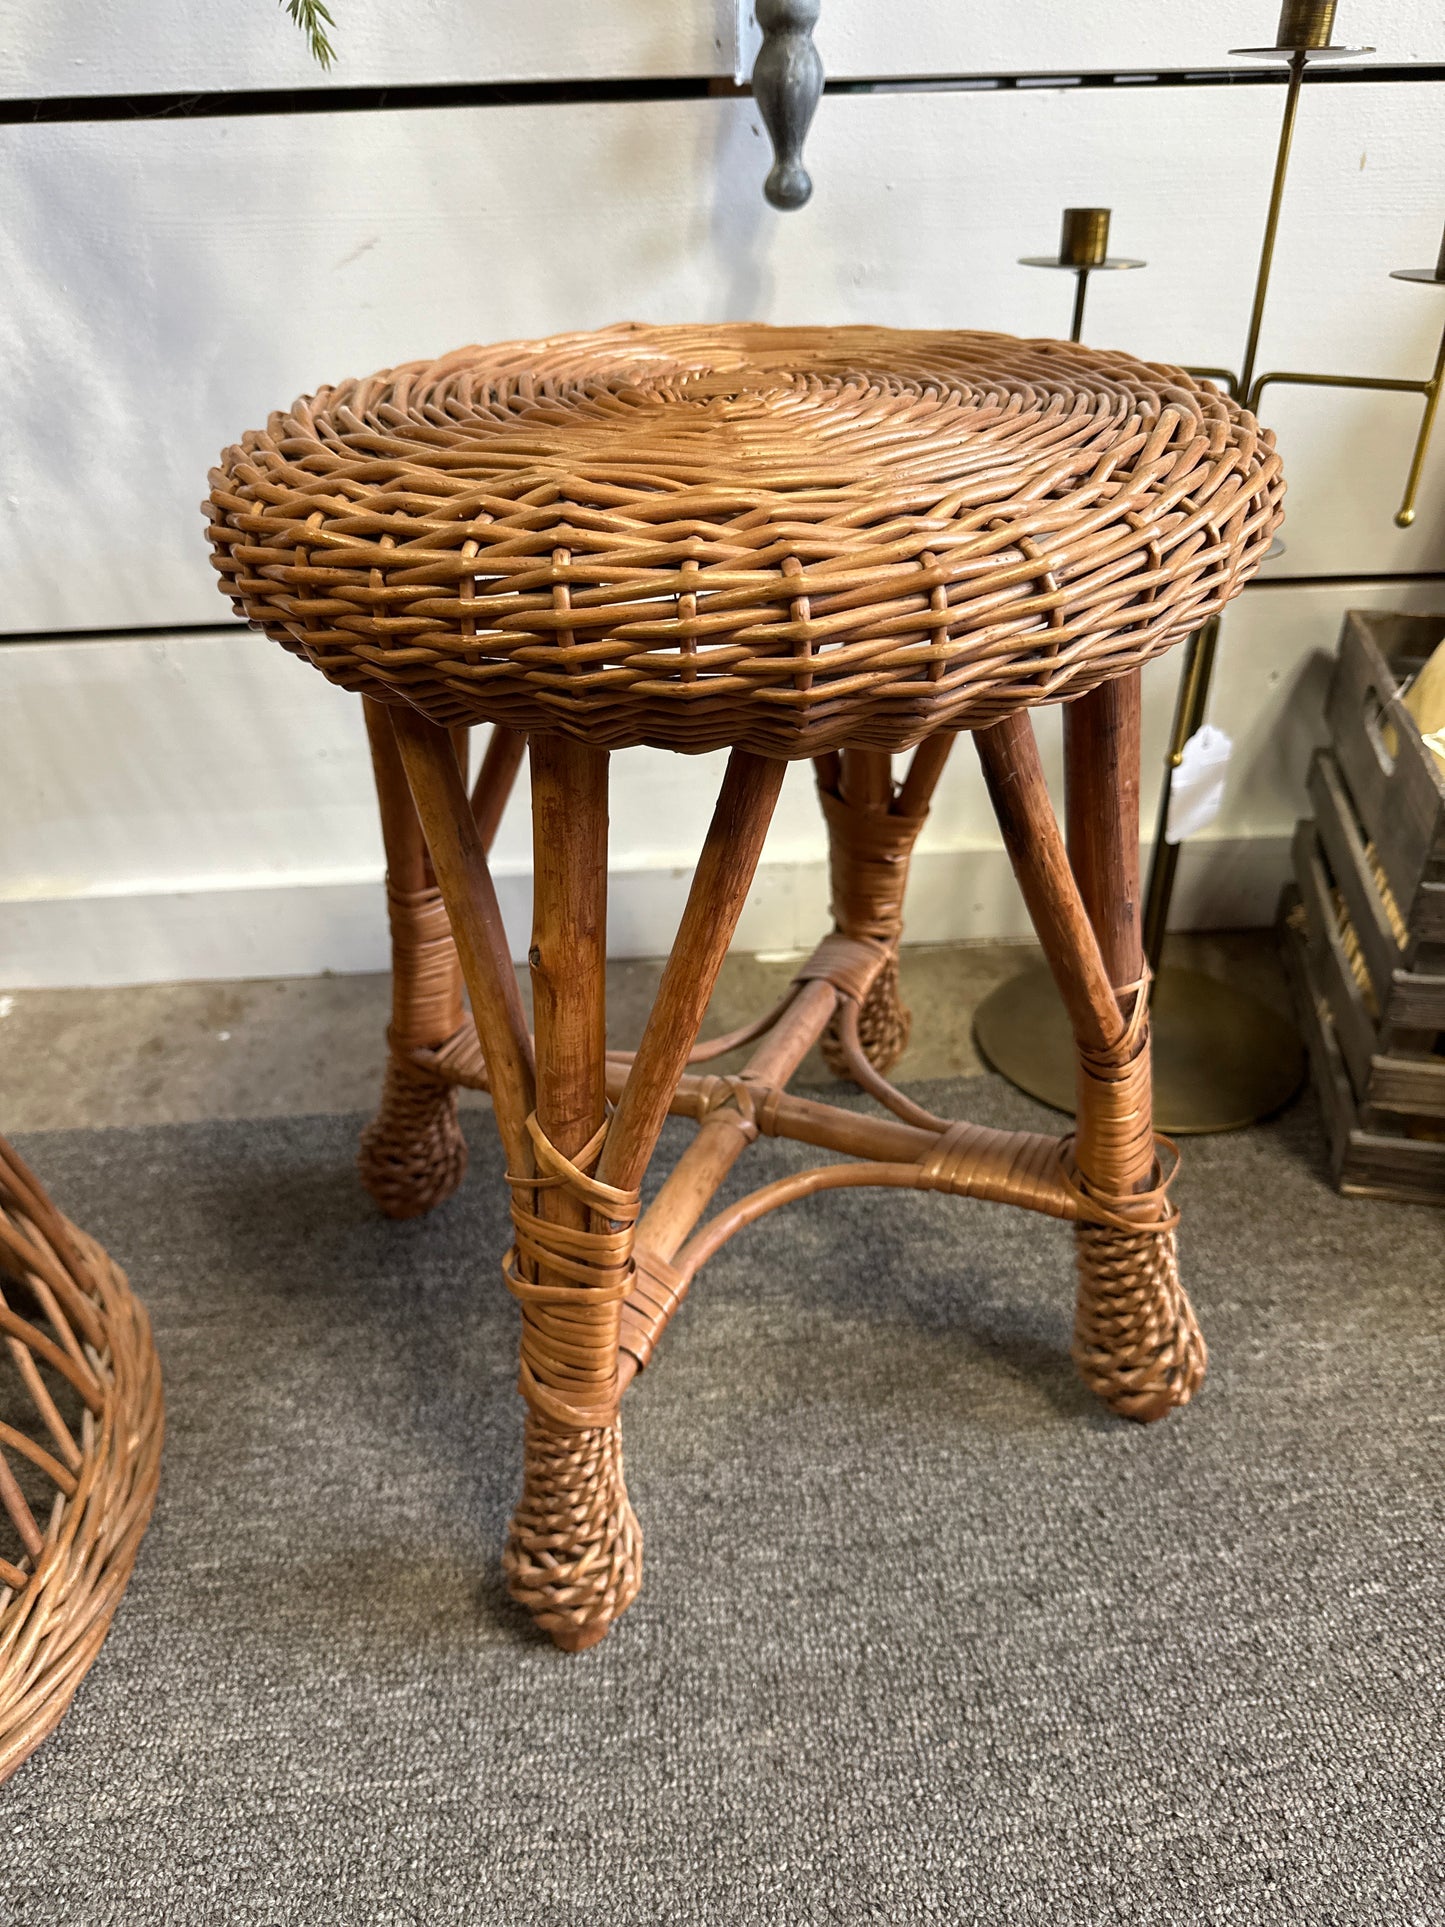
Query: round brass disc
x,y
1222,1059
1115,264
1311,54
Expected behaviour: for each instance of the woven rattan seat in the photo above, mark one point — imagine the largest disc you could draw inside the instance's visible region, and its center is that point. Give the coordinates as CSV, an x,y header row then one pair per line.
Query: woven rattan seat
x,y
778,539
779,542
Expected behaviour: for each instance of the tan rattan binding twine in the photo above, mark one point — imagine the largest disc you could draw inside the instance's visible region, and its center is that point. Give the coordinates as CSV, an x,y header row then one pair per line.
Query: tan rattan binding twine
x,y
413,1153
574,1552
81,1420
781,539
869,854
1137,1343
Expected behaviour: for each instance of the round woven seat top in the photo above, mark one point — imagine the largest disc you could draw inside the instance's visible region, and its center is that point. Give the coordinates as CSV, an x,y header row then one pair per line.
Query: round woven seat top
x,y
787,539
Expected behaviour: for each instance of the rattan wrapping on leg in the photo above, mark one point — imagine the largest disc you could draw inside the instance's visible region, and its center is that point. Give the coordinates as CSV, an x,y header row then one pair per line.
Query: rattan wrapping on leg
x,y
1137,1343
413,1154
868,857
81,1422
574,1550
885,1024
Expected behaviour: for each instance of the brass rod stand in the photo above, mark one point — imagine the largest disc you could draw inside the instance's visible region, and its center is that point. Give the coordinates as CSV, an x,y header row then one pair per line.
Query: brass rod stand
x,y
1222,1058
1385,384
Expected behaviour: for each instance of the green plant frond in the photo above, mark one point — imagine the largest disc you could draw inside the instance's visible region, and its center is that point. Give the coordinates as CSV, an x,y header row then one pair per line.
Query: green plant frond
x,y
313,19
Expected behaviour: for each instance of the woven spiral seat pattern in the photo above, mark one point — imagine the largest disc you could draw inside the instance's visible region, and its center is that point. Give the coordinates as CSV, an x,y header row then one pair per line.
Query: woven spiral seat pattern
x,y
81,1419
785,539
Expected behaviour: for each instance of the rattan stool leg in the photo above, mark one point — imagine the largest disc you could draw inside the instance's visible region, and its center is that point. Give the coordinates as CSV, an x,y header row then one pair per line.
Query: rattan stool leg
x,y
873,825
413,1154
574,1555
1136,1342
574,1551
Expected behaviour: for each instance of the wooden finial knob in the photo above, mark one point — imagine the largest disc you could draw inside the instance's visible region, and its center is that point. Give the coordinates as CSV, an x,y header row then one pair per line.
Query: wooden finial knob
x,y
787,84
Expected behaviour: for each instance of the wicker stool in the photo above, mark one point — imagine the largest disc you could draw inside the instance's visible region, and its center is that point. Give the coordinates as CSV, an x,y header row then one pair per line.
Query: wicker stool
x,y
832,543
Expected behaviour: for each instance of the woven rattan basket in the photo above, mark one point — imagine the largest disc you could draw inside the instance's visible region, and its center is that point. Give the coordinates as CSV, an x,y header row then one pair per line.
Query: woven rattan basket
x,y
81,1419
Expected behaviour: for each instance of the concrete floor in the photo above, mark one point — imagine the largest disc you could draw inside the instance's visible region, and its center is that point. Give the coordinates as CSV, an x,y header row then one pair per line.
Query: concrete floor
x,y
170,1053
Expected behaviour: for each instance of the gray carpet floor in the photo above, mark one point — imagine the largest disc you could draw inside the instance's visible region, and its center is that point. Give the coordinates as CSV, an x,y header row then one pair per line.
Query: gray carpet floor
x,y
925,1635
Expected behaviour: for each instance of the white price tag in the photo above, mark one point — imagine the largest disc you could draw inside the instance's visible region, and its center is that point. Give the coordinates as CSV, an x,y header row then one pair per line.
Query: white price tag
x,y
1196,795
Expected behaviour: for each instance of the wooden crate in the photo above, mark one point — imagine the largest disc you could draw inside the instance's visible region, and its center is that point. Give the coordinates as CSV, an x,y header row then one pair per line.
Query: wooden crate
x,y
1392,1069
1367,1160
1395,785
1365,923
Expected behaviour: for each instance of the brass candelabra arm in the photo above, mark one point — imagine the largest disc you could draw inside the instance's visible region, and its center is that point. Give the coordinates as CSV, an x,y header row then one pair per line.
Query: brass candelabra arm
x,y
1382,384
1226,375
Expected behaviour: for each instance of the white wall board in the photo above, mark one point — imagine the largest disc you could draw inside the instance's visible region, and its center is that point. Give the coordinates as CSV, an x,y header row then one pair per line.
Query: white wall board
x,y
201,806
70,47
73,47
1065,36
169,283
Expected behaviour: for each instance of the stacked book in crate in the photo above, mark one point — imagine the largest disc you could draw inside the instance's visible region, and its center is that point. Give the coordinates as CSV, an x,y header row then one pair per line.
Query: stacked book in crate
x,y
1364,920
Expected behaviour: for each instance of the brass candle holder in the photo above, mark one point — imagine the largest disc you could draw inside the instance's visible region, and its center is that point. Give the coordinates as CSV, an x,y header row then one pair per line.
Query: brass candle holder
x,y
1083,250
1222,1058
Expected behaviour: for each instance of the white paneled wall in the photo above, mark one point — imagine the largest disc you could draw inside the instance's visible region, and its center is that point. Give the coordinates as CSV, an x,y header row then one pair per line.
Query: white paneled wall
x,y
200,806
1070,36
183,805
169,282
70,47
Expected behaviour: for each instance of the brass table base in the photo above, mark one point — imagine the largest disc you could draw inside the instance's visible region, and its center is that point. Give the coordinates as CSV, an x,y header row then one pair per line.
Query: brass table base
x,y
1222,1059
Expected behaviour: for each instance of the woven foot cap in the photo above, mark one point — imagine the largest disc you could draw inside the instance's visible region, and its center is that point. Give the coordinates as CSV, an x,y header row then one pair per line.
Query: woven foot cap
x,y
1137,1343
577,1639
413,1154
1147,1405
1149,1411
574,1552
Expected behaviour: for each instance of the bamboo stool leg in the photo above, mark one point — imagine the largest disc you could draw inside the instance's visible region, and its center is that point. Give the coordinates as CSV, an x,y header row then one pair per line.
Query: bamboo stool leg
x,y
873,825
573,1556
1136,1342
460,864
574,1552
413,1154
